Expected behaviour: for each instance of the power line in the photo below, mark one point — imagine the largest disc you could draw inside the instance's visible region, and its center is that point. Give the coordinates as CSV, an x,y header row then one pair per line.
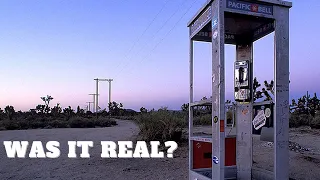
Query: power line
x,y
173,27
168,34
163,25
149,25
170,30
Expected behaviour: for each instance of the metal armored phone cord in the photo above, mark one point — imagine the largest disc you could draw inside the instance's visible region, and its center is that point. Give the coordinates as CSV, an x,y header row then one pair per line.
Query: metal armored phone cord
x,y
234,106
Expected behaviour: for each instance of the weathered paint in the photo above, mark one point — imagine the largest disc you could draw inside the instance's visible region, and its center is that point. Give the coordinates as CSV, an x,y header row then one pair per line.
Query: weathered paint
x,y
203,19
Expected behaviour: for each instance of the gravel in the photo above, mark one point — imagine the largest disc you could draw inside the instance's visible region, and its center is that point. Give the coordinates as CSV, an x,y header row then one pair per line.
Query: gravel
x,y
304,157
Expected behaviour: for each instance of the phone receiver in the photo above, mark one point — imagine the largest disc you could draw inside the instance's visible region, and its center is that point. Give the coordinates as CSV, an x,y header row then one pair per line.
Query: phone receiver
x,y
241,75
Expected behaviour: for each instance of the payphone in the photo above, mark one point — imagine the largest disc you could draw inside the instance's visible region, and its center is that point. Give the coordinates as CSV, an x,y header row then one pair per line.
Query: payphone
x,y
243,73
241,81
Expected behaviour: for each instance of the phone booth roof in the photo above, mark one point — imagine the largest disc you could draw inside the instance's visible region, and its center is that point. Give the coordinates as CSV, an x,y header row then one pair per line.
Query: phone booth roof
x,y
245,21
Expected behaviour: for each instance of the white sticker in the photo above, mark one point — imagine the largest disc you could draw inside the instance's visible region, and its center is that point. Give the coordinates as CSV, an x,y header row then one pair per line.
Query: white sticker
x,y
259,120
215,159
267,112
215,34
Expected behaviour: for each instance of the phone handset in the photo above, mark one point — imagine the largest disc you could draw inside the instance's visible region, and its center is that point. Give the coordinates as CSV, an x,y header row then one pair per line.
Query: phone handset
x,y
241,74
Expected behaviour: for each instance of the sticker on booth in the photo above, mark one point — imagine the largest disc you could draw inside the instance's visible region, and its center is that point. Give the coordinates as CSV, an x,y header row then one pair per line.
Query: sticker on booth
x,y
259,120
215,119
215,160
215,34
214,22
267,112
245,111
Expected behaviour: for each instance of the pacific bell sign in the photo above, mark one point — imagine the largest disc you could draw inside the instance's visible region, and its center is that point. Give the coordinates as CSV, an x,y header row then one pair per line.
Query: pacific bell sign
x,y
250,7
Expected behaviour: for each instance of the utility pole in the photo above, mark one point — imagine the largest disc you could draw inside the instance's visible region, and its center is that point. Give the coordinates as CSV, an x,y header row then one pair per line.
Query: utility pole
x,y
109,80
89,105
94,100
97,91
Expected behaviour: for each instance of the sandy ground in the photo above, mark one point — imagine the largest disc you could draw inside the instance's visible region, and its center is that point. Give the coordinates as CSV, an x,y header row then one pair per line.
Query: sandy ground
x,y
304,154
303,164
92,168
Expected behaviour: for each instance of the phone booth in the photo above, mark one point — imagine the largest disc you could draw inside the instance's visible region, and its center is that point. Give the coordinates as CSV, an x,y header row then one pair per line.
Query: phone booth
x,y
224,155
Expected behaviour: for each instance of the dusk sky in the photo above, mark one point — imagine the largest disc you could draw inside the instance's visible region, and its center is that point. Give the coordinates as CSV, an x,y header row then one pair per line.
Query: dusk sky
x,y
57,48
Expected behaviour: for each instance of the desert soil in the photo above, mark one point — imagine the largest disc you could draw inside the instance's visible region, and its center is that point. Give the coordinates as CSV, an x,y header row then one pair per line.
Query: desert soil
x,y
92,168
304,157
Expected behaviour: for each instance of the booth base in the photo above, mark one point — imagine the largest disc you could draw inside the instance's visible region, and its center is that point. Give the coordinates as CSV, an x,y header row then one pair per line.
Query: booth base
x,y
206,174
202,153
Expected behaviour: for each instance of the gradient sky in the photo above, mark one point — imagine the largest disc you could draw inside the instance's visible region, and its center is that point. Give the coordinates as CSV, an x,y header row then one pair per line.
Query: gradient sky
x,y
57,48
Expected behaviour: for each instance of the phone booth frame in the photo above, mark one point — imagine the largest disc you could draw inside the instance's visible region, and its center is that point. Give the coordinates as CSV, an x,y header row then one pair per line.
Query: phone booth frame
x,y
239,22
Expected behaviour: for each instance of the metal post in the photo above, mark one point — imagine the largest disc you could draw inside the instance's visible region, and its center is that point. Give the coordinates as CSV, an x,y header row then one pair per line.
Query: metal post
x,y
88,108
109,92
190,107
94,99
244,120
281,76
97,89
89,103
218,91
109,80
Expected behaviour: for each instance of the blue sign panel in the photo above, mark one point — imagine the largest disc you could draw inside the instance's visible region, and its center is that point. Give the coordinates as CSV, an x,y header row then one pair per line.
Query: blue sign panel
x,y
250,7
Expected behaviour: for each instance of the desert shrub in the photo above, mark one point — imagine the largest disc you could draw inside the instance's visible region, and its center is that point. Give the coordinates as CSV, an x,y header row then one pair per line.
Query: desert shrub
x,y
9,125
105,122
315,123
205,119
79,122
38,124
41,122
23,124
161,126
59,124
2,128
297,120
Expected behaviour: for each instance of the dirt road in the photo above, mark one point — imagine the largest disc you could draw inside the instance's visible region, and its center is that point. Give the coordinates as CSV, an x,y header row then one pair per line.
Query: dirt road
x,y
303,164
92,168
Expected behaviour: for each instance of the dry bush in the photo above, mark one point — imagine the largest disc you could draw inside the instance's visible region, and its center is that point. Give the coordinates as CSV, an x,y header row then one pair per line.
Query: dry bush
x,y
204,120
315,123
161,125
297,120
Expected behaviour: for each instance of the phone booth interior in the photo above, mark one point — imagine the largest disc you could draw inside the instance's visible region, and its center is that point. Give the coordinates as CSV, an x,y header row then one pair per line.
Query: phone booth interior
x,y
221,154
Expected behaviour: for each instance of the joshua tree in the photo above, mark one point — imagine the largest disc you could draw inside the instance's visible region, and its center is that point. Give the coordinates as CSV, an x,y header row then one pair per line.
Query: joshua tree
x,y
78,110
40,108
68,111
115,109
81,111
264,91
47,102
306,105
9,111
185,107
56,110
143,110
